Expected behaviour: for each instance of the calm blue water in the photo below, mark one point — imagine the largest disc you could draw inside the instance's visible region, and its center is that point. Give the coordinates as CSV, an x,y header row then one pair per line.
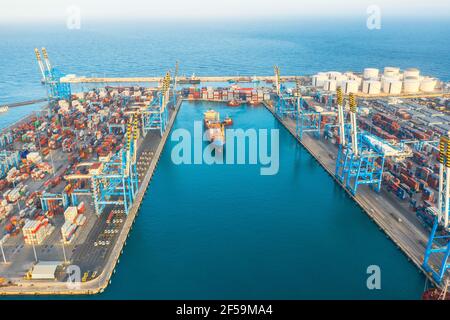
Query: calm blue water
x,y
227,232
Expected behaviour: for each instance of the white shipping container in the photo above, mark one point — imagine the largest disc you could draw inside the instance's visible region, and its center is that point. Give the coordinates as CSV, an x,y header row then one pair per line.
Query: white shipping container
x,y
71,213
81,219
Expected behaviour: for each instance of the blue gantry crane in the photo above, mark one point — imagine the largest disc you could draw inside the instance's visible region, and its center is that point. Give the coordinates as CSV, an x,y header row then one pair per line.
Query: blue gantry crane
x,y
439,241
285,102
51,77
308,119
156,115
361,155
293,105
8,159
361,161
46,198
6,138
174,86
117,181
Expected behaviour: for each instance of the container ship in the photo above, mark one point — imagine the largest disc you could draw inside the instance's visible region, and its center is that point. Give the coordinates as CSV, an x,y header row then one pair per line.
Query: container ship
x,y
215,129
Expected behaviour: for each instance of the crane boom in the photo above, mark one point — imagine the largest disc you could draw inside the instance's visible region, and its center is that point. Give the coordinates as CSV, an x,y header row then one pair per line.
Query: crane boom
x,y
39,60
353,123
47,61
277,80
341,119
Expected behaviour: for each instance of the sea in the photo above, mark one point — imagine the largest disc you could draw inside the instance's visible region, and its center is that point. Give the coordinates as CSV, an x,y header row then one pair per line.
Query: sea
x,y
225,231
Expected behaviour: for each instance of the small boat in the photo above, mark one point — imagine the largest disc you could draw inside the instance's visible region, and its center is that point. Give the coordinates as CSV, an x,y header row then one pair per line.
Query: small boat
x,y
234,103
254,103
194,79
228,121
4,109
191,80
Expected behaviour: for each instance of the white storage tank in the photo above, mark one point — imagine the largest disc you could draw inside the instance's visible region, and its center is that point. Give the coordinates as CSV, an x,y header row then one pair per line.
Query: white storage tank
x,y
371,87
392,86
350,86
340,78
349,75
411,73
333,74
428,85
330,85
371,73
391,71
358,79
318,80
411,85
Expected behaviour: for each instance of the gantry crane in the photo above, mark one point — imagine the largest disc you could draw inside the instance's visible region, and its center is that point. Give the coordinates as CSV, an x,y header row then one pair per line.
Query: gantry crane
x,y
439,242
360,161
361,155
307,119
8,160
113,181
52,199
174,87
117,183
156,116
285,103
294,106
51,77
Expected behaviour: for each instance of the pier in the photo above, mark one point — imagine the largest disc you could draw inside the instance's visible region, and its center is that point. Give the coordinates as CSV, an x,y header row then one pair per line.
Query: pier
x,y
79,80
98,284
24,103
399,225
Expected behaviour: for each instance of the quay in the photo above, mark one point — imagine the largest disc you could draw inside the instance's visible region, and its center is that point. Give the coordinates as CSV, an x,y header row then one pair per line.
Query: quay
x,y
397,222
24,103
98,284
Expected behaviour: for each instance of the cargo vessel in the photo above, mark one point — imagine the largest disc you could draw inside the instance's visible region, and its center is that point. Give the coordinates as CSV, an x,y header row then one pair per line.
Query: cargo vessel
x,y
192,80
215,129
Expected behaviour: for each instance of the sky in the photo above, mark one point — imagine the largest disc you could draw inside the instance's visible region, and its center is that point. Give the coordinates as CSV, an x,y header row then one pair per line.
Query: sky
x,y
22,11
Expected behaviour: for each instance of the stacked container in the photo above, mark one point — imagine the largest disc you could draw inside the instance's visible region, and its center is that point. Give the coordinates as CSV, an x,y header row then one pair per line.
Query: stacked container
x,y
74,218
35,231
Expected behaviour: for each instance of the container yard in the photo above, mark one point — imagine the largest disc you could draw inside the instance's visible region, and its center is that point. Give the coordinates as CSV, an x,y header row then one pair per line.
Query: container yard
x,y
72,176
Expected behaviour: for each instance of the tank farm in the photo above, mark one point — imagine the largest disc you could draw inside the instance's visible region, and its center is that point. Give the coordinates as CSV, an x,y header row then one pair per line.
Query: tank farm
x,y
73,175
